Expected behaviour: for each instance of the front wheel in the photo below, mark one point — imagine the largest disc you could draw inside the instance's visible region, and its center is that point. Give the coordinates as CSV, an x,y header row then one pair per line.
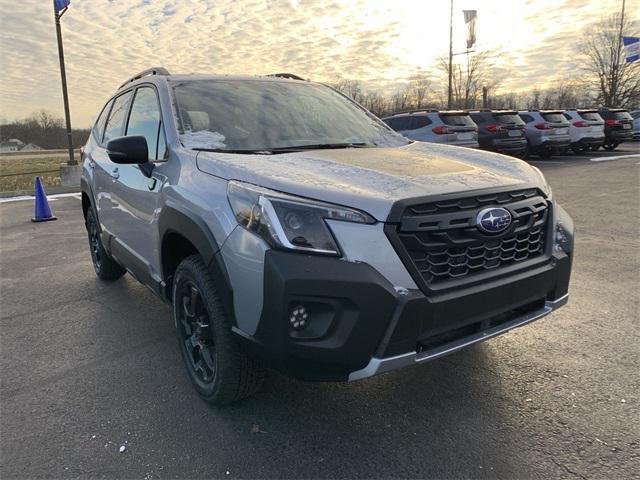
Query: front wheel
x,y
106,267
220,370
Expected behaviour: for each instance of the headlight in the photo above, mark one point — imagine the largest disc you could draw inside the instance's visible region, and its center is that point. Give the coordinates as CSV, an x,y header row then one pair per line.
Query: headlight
x,y
563,235
545,186
289,222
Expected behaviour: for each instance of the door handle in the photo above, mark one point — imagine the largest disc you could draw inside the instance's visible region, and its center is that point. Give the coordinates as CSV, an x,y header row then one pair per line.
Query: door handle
x,y
115,174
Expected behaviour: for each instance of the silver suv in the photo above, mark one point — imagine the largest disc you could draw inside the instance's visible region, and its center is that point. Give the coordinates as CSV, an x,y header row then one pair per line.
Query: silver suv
x,y
289,228
547,132
450,127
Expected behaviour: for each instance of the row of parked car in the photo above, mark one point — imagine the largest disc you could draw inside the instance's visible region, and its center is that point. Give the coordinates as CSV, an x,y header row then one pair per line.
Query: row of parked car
x,y
538,132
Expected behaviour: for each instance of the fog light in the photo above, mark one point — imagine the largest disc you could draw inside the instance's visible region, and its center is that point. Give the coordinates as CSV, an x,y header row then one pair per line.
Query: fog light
x,y
298,318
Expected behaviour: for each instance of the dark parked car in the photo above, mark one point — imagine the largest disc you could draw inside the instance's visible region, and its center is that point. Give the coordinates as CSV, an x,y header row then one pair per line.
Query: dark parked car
x,y
500,131
618,127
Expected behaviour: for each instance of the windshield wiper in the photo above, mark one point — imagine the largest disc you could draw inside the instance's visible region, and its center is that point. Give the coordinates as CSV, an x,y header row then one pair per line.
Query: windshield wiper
x,y
320,146
227,150
293,148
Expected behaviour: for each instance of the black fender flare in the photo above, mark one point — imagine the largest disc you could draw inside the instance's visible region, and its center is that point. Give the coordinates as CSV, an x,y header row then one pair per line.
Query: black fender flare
x,y
88,191
175,218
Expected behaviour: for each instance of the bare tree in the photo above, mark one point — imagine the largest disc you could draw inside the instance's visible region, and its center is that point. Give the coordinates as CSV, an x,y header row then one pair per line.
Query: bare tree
x,y
351,88
469,78
419,89
616,82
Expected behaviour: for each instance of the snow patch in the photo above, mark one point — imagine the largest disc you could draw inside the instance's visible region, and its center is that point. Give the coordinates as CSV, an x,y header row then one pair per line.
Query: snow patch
x,y
203,139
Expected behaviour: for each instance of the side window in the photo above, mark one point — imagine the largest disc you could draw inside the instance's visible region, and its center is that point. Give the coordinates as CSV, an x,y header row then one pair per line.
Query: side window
x,y
402,123
98,127
391,122
145,120
526,118
115,124
419,122
567,116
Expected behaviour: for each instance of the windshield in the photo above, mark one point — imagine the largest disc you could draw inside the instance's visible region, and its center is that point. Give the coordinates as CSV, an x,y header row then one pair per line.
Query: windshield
x,y
262,115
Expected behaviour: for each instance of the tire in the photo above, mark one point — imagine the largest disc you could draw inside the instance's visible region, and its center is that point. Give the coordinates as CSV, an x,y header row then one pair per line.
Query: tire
x,y
610,146
219,369
106,268
545,153
594,148
579,150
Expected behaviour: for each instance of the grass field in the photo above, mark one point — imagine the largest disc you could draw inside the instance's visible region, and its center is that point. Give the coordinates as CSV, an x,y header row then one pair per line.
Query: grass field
x,y
18,169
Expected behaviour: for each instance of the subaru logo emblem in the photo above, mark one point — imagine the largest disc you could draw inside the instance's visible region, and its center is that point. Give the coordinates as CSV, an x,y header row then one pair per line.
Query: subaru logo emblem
x,y
493,220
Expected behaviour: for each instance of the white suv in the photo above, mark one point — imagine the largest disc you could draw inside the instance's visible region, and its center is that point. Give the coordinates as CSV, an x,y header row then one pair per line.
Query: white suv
x,y
586,130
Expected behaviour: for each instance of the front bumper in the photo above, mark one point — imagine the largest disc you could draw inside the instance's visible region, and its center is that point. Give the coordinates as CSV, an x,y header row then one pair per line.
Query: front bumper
x,y
377,366
360,325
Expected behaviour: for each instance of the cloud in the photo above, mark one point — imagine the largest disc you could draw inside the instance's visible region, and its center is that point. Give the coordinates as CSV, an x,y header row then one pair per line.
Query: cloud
x,y
381,43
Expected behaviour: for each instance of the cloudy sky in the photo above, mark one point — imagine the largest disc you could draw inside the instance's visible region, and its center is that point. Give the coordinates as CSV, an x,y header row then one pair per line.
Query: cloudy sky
x,y
381,42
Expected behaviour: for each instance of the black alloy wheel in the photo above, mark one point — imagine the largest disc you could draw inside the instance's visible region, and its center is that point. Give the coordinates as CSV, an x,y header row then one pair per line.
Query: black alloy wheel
x,y
194,328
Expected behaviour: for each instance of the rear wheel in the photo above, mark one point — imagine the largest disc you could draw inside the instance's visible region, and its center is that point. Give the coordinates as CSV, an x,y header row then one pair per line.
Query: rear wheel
x,y
578,150
220,370
545,153
106,268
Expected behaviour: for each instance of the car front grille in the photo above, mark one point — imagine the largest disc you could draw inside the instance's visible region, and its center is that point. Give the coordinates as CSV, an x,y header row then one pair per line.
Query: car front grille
x,y
442,244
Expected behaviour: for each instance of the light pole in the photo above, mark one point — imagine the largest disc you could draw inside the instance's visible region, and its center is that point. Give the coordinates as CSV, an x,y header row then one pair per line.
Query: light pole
x,y
57,13
450,90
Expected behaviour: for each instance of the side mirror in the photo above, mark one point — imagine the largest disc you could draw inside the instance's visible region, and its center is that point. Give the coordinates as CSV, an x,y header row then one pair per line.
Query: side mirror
x,y
131,150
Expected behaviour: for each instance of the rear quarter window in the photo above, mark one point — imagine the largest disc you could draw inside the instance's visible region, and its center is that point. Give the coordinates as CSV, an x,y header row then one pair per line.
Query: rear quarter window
x,y
526,118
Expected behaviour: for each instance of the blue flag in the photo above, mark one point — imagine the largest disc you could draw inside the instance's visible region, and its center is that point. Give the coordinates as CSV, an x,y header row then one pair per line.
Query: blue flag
x,y
61,4
631,48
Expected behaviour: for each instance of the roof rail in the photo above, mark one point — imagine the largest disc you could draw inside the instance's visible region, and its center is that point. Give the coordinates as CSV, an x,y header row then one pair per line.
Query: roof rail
x,y
144,73
419,110
290,76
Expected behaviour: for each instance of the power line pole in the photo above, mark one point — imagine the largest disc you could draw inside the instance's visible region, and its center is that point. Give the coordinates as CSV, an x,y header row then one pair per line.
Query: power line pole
x,y
65,96
450,96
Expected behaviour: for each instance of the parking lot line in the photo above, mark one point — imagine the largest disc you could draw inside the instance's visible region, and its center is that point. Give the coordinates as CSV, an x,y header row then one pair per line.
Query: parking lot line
x,y
617,157
31,197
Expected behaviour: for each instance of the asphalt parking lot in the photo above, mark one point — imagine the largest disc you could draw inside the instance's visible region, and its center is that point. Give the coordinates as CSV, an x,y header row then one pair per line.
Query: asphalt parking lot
x,y
88,367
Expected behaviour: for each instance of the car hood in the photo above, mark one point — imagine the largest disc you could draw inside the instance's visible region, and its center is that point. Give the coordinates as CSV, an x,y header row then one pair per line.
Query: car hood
x,y
372,179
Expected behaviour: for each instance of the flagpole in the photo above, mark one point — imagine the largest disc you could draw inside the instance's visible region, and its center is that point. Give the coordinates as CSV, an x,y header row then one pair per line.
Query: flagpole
x,y
63,75
450,96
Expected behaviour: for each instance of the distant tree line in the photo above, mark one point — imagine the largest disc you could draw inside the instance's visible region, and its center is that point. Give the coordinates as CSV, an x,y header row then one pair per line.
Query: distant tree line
x,y
604,79
43,129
